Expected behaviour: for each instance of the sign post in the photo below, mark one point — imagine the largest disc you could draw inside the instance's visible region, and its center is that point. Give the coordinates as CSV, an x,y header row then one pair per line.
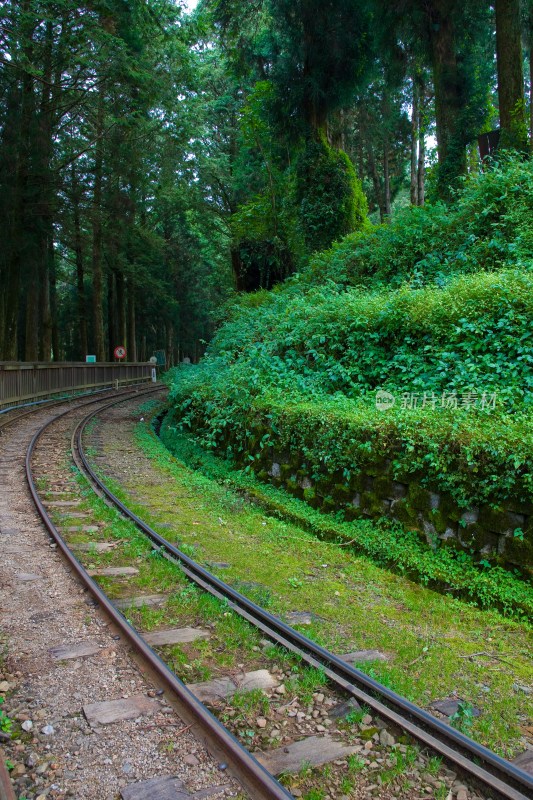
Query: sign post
x,y
153,361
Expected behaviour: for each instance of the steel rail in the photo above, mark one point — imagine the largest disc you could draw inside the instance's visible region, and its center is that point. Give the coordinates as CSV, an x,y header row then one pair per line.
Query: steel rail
x,y
253,776
50,402
6,787
507,779
53,400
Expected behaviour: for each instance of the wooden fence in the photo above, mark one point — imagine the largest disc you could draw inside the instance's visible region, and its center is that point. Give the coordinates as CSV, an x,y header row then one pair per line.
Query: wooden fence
x,y
23,382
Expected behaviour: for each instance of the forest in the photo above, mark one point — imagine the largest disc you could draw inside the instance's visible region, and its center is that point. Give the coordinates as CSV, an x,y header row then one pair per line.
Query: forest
x,y
158,162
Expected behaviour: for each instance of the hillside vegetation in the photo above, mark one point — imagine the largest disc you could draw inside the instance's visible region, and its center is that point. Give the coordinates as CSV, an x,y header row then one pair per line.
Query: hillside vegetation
x,y
435,309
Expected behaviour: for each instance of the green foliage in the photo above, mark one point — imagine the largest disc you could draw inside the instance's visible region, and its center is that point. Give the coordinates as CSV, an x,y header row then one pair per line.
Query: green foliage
x,y
264,224
472,335
6,723
306,366
250,702
387,545
463,718
319,53
355,717
439,448
355,763
329,197
488,226
305,683
296,370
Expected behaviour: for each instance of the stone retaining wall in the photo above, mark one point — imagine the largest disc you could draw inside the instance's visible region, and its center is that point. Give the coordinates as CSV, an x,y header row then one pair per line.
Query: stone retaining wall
x,y
502,535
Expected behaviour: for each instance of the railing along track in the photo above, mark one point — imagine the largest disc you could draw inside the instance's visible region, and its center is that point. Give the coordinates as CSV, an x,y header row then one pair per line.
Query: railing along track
x,y
36,405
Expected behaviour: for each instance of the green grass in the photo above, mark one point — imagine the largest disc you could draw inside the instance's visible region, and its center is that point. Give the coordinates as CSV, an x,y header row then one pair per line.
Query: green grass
x,y
252,702
385,543
355,763
306,683
355,716
431,639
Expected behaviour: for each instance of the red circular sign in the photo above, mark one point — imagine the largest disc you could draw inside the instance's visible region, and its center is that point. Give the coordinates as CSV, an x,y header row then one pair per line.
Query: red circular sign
x,y
120,351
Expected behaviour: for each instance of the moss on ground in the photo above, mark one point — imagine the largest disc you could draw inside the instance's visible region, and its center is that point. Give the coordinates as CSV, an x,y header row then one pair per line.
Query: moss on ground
x,y
437,645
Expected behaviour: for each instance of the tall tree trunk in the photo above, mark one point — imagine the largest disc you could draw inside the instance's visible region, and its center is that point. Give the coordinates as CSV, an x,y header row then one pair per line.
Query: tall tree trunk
x,y
46,198
121,308
386,115
112,333
415,126
31,265
15,149
421,187
530,40
19,152
510,74
45,342
376,180
422,120
170,345
80,277
132,333
336,128
449,100
386,180
97,268
239,277
31,350
53,303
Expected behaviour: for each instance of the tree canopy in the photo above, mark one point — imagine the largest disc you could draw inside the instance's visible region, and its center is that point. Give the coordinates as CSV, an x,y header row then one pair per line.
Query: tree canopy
x,y
154,161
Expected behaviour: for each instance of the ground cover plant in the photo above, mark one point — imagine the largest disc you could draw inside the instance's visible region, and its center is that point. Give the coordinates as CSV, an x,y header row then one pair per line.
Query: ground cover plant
x,y
386,543
446,338
278,562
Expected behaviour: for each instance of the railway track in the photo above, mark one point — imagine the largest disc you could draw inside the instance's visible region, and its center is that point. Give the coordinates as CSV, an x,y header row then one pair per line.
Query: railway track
x,y
13,414
11,448
484,769
255,779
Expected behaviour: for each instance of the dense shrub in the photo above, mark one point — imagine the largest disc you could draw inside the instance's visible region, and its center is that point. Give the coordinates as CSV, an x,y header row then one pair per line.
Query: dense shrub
x,y
437,306
329,197
487,227
475,334
456,452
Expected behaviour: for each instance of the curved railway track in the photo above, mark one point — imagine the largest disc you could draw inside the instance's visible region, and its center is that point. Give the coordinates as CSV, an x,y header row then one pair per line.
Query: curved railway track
x,y
11,448
253,776
6,788
9,416
484,768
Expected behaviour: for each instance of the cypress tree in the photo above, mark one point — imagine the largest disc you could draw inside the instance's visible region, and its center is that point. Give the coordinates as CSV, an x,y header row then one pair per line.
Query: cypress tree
x,y
510,74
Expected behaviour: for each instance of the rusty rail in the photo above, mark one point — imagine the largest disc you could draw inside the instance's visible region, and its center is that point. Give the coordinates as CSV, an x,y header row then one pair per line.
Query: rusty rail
x,y
260,784
485,767
6,787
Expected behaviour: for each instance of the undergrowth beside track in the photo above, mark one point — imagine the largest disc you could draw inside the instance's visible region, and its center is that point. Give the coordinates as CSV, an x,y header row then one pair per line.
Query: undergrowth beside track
x,y
437,644
402,355
386,544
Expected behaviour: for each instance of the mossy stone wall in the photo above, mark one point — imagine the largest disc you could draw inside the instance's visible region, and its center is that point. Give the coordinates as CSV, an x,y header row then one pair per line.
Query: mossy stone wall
x,y
500,532
502,535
